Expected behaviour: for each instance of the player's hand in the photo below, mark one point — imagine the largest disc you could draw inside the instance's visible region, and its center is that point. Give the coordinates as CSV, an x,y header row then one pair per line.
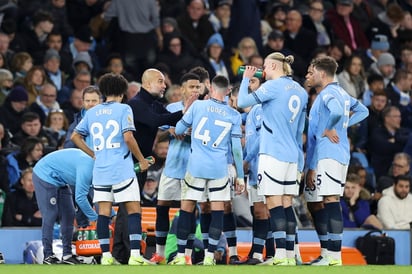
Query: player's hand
x,y
310,179
249,71
299,176
189,101
172,132
245,167
144,165
331,135
240,186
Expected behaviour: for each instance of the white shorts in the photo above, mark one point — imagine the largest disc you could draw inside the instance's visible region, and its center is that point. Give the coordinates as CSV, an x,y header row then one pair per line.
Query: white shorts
x,y
199,189
330,180
169,189
126,191
276,177
253,195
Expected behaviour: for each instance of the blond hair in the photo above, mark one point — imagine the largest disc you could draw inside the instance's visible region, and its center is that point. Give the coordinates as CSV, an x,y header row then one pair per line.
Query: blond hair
x,y
285,60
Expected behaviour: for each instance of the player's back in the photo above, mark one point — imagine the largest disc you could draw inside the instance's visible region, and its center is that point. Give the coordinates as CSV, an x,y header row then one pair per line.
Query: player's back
x,y
325,148
214,123
283,106
106,124
178,152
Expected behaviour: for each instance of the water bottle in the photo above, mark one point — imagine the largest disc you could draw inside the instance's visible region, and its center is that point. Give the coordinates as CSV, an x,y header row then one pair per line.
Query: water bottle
x,y
258,74
151,160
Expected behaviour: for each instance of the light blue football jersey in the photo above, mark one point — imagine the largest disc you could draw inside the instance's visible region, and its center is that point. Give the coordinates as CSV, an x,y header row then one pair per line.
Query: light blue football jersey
x,y
179,151
252,136
106,123
284,110
332,99
69,166
213,124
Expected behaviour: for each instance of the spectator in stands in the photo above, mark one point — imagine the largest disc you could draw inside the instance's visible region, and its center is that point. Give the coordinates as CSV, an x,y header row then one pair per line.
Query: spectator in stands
x,y
139,33
5,48
169,25
245,49
245,22
363,13
81,80
346,27
352,79
20,65
214,59
56,124
133,89
379,45
114,64
394,208
177,55
401,164
296,36
378,6
385,66
399,88
173,94
35,79
276,17
276,42
31,127
46,102
386,141
220,18
73,106
337,51
21,204
6,83
355,206
82,61
59,12
13,108
387,22
91,96
80,12
373,121
55,75
55,41
33,40
375,83
194,24
313,21
30,152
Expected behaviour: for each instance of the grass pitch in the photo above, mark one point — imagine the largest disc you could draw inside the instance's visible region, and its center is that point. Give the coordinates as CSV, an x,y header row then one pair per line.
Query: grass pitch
x,y
219,269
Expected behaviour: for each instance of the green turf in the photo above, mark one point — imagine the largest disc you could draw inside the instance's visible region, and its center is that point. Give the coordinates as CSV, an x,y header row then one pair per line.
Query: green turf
x,y
117,269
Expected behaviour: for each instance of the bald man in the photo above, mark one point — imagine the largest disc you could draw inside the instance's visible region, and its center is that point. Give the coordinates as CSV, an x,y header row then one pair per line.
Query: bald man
x,y
149,114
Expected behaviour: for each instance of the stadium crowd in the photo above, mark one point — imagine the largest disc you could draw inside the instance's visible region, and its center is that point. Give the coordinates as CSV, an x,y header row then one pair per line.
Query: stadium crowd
x,y
51,51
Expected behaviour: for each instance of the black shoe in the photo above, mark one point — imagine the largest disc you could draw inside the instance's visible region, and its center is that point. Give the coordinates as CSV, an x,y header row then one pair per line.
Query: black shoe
x,y
71,260
2,261
253,261
235,260
51,260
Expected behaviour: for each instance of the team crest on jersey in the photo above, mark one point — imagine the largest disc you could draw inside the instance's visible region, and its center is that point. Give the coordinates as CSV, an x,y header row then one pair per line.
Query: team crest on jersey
x,y
53,201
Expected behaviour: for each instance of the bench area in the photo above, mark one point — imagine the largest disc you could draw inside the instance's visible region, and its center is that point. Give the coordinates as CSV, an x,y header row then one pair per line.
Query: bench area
x,y
149,219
